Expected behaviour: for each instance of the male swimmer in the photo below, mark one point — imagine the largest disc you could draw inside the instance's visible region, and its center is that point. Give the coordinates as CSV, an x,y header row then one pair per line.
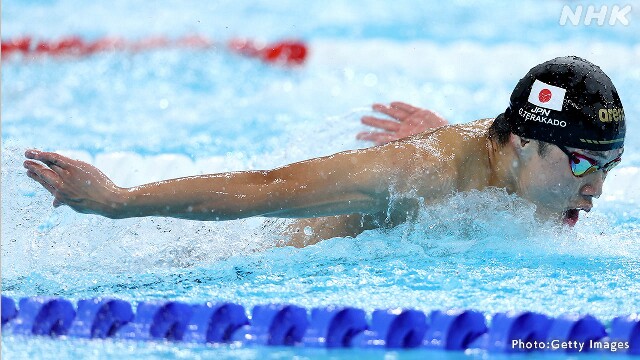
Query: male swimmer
x,y
554,145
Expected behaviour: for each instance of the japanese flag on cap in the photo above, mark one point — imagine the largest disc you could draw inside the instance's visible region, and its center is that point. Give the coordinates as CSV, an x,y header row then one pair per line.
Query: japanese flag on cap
x,y
547,96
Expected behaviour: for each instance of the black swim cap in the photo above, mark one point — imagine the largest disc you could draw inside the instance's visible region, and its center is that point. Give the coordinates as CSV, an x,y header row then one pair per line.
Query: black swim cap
x,y
568,101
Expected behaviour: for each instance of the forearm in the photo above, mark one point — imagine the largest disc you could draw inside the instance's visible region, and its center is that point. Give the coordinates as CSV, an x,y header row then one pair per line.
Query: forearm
x,y
222,196
230,196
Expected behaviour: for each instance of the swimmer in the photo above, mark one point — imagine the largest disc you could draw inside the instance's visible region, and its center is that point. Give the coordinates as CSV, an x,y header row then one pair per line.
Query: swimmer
x,y
562,132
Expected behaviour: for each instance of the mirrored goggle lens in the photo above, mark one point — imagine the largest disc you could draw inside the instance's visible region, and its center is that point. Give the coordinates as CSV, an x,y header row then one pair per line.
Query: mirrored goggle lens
x,y
582,167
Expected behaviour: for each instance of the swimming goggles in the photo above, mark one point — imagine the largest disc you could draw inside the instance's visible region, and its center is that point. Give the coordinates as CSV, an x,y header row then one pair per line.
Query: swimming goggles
x,y
582,165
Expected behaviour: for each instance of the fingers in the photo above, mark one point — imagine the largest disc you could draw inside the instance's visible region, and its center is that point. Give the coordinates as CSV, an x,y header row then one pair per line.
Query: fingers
x,y
379,138
381,123
48,158
49,180
51,189
397,110
43,175
42,182
59,170
404,107
56,162
395,113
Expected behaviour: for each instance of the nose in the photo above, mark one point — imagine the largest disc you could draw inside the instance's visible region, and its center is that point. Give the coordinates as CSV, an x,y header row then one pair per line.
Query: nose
x,y
594,184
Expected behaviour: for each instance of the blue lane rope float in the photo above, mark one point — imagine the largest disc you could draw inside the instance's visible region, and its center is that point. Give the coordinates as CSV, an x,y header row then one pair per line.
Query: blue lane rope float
x,y
44,316
330,327
334,327
215,323
394,329
274,324
454,329
580,328
100,318
9,310
508,327
627,328
156,320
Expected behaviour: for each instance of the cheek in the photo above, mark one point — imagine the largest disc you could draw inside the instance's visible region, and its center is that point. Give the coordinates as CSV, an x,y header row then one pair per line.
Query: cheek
x,y
564,186
561,188
552,182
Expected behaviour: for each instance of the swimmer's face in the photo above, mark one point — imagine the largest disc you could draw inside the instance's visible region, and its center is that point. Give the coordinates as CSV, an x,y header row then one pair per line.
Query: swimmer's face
x,y
549,182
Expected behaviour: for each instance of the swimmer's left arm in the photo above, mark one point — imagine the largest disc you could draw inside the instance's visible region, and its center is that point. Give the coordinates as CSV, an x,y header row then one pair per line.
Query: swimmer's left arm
x,y
344,183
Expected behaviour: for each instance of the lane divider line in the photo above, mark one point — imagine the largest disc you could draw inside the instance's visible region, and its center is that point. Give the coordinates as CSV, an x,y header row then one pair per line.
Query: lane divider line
x,y
328,327
284,52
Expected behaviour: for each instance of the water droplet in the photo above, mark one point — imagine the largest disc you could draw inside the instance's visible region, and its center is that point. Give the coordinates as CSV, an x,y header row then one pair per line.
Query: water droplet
x,y
308,231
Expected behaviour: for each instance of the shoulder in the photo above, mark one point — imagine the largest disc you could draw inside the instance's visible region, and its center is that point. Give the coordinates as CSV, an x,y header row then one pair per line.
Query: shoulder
x,y
448,142
439,156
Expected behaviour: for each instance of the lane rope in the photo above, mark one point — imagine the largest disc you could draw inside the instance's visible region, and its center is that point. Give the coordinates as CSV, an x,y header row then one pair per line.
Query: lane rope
x,y
323,327
284,52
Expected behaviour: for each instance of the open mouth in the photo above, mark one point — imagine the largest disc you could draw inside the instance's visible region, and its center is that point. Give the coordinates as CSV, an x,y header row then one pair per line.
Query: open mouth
x,y
571,216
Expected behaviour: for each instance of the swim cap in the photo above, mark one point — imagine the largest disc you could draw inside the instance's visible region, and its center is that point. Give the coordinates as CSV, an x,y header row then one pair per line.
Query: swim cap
x,y
568,101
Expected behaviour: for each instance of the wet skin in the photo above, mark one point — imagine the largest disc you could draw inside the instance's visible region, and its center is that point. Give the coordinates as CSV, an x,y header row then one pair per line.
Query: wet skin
x,y
546,181
430,166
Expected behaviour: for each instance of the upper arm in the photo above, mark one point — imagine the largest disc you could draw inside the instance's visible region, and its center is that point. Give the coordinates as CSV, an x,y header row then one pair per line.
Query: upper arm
x,y
361,181
345,183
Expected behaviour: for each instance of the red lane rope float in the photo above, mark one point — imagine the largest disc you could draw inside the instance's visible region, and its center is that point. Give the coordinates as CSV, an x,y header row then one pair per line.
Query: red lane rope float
x,y
292,52
284,52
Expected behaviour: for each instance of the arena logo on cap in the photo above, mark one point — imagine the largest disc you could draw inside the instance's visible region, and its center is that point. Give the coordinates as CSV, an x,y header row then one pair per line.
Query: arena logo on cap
x,y
547,96
609,115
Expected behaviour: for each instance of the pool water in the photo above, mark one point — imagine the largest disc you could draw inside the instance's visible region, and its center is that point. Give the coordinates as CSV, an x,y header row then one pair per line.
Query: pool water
x,y
147,116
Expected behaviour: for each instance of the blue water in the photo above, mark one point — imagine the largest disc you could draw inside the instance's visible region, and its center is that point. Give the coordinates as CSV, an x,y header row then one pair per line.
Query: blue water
x,y
167,113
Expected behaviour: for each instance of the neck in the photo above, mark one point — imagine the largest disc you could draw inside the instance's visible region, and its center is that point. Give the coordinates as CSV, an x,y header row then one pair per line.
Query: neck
x,y
501,169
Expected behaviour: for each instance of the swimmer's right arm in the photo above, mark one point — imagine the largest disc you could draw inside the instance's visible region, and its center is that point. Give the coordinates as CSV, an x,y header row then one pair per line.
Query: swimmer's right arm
x,y
345,183
406,120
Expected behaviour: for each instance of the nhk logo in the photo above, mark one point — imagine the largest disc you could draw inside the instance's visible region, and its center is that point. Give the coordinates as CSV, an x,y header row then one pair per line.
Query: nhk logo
x,y
614,15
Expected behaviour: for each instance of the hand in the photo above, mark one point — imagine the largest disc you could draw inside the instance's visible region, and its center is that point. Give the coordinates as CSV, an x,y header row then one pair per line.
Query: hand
x,y
77,184
410,120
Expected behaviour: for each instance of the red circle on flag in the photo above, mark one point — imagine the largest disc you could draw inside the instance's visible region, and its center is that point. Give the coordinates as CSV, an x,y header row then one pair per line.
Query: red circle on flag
x,y
544,95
